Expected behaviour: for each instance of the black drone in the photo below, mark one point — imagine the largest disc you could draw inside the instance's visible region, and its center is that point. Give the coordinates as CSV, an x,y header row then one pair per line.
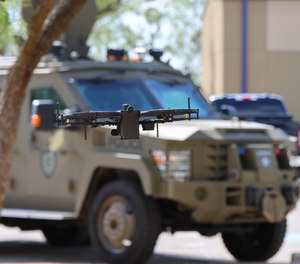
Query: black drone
x,y
126,120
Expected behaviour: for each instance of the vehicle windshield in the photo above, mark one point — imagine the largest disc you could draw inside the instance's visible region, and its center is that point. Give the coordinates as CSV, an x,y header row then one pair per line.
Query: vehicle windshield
x,y
110,95
175,94
259,107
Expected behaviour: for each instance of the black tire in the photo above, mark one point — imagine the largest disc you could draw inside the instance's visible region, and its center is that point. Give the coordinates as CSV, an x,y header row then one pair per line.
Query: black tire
x,y
124,223
66,235
259,244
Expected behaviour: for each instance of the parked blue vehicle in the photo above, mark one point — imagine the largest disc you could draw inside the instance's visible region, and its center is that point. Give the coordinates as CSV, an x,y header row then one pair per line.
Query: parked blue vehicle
x,y
259,107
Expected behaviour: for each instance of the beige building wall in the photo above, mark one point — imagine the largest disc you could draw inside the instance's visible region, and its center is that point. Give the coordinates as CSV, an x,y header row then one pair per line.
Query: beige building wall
x,y
273,54
213,47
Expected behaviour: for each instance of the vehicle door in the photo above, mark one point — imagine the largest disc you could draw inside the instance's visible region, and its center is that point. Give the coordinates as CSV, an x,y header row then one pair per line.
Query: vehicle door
x,y
52,161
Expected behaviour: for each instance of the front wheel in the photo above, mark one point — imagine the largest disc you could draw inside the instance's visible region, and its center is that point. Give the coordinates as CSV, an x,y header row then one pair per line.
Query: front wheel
x,y
124,223
259,244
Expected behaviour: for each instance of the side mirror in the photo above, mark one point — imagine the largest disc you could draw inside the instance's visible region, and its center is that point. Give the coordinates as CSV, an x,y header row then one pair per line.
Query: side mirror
x,y
42,115
228,111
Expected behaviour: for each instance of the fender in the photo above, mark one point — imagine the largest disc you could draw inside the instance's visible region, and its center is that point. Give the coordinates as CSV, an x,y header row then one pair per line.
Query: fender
x,y
115,161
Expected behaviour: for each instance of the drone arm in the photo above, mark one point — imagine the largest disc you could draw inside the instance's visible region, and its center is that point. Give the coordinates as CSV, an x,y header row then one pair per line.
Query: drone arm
x,y
91,115
169,112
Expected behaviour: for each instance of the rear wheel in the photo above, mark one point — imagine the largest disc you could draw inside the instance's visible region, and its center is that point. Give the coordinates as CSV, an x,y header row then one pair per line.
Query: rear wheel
x,y
259,244
124,223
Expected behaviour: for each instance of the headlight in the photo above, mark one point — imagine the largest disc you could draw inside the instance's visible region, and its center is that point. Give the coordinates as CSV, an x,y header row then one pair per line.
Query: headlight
x,y
173,165
294,160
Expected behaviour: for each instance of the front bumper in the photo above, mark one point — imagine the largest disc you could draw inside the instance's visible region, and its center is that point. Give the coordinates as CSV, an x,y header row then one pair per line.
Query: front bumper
x,y
227,202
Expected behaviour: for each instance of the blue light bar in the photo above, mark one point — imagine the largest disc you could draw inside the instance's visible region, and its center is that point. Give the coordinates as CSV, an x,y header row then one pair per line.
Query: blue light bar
x,y
241,151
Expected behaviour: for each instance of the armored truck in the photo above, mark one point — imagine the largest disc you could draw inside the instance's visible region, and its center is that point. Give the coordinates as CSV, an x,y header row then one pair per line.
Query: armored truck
x,y
208,175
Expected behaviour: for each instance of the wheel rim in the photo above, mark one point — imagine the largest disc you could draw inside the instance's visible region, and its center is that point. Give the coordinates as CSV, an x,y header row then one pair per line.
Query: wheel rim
x,y
116,224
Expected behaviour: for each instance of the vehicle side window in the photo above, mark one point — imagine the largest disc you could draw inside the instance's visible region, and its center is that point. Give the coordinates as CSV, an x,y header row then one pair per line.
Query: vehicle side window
x,y
48,93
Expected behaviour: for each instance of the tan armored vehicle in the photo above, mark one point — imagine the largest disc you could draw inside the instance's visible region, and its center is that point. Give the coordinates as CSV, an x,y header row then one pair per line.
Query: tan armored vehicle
x,y
208,175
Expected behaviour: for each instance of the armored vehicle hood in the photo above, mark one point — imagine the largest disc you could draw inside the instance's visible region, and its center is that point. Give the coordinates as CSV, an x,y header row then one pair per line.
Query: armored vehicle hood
x,y
216,130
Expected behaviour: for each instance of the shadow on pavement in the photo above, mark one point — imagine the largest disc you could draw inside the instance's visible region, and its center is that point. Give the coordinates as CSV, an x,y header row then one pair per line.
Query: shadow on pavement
x,y
171,259
28,251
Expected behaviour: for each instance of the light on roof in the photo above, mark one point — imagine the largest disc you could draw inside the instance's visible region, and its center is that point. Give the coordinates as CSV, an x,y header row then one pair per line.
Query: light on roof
x,y
246,99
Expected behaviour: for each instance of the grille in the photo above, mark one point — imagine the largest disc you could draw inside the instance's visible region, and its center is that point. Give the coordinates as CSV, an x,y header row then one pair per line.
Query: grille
x,y
214,161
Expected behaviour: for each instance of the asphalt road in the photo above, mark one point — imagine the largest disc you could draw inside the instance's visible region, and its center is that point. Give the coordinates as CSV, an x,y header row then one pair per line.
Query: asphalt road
x,y
182,247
